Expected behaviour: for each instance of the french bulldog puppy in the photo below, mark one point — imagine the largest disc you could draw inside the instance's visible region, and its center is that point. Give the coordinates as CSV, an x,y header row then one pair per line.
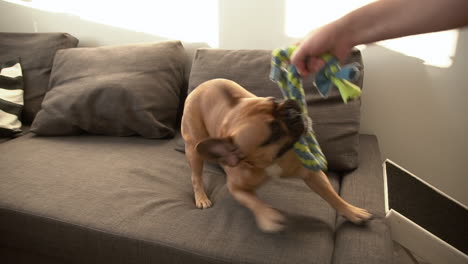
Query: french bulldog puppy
x,y
252,139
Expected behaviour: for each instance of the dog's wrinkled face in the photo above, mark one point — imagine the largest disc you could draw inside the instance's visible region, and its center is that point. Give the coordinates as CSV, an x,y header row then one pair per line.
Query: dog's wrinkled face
x,y
261,131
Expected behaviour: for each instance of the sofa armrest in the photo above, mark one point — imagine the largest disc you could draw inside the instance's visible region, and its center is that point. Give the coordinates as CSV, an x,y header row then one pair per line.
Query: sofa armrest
x,y
364,187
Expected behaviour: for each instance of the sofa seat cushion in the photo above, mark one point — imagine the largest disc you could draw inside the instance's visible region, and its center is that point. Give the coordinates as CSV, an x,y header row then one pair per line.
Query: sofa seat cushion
x,y
96,199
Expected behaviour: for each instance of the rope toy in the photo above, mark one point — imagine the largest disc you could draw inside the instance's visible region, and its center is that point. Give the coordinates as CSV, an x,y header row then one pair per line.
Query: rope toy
x,y
288,79
342,77
290,83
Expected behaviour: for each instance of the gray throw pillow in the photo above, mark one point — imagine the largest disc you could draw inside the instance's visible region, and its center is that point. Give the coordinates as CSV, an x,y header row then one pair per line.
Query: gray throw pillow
x,y
11,97
37,51
336,124
114,90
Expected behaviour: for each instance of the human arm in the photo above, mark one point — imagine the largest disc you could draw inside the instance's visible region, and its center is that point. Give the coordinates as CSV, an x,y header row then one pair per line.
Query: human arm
x,y
384,19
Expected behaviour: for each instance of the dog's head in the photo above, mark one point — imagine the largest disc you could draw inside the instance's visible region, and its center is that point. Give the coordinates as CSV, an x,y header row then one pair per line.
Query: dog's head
x,y
257,132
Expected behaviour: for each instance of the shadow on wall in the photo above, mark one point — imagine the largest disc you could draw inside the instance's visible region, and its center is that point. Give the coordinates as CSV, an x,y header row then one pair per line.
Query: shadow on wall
x,y
240,26
17,18
419,114
90,34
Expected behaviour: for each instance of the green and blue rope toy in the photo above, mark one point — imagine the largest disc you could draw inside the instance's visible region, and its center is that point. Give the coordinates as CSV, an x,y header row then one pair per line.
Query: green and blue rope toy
x,y
342,77
289,81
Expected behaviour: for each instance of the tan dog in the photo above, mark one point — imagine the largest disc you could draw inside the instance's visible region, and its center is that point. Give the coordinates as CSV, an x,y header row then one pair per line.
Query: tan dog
x,y
252,138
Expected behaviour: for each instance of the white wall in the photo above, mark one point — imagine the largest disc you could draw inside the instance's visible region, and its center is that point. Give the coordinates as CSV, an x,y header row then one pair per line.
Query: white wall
x,y
416,110
419,113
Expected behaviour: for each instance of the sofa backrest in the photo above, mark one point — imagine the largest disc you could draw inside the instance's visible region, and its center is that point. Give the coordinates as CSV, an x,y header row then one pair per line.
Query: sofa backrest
x,y
336,124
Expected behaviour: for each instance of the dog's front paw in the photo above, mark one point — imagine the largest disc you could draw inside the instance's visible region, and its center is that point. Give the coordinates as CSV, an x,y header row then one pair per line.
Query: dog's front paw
x,y
202,201
356,215
269,220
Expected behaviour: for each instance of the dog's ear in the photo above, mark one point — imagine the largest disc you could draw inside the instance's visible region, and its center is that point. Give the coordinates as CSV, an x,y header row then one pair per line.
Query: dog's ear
x,y
222,150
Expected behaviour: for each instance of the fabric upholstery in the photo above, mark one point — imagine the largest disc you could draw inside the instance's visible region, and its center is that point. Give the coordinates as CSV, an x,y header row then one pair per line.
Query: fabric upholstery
x,y
11,97
115,90
36,51
95,199
18,256
371,243
336,124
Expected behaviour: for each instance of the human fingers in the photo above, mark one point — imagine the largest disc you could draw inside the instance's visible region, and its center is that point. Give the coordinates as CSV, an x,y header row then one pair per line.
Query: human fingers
x,y
300,61
306,65
303,61
315,64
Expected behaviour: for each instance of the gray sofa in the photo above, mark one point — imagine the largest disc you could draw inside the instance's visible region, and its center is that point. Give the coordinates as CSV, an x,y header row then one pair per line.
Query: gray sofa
x,y
95,176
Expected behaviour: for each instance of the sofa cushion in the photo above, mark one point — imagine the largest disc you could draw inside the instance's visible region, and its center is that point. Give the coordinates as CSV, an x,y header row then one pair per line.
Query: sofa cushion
x,y
363,187
96,199
36,51
115,90
11,97
336,124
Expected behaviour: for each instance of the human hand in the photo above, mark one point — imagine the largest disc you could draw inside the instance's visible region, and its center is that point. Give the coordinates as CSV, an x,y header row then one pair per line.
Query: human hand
x,y
332,38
